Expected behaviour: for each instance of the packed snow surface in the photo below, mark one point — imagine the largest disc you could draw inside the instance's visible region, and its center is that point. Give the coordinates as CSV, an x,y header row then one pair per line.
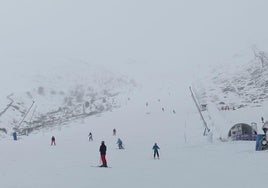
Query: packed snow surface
x,y
92,66
187,158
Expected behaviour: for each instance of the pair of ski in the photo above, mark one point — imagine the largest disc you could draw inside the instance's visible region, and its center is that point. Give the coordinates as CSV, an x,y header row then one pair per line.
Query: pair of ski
x,y
100,166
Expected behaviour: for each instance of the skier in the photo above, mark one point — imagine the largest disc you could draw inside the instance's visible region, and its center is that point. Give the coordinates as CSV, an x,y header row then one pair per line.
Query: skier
x,y
53,141
262,120
103,154
114,131
15,136
90,138
265,128
156,148
120,143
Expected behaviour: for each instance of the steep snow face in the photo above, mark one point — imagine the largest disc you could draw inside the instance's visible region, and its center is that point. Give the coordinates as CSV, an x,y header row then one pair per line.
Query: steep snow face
x,y
51,93
235,92
239,82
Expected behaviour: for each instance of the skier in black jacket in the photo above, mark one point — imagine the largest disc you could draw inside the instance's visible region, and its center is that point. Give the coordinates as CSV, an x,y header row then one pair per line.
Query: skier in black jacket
x,y
103,154
53,141
90,138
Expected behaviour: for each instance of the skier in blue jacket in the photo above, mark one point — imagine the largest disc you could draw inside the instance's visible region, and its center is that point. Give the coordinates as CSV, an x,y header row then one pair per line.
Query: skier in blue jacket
x,y
120,143
156,148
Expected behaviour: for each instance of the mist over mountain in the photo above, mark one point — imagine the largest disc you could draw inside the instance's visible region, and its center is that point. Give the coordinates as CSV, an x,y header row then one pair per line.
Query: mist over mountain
x,y
70,67
180,32
53,94
238,82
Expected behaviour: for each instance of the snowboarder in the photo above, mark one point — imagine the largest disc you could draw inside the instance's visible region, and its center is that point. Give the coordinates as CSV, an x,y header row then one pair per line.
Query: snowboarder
x,y
53,141
120,143
156,148
103,154
90,138
114,132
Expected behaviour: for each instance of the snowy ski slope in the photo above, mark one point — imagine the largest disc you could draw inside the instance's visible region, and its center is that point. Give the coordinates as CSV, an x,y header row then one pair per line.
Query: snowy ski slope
x,y
121,55
186,157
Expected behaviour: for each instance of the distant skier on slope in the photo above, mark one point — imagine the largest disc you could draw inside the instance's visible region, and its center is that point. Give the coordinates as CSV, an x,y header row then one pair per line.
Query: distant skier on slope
x,y
262,120
155,149
53,141
265,128
120,143
103,154
114,131
90,138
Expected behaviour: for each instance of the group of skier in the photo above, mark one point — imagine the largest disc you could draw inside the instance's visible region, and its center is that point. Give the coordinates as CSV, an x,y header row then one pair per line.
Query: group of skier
x,y
155,147
103,147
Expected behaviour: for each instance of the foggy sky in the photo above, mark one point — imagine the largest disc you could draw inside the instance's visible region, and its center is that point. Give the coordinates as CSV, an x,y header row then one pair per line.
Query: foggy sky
x,y
137,31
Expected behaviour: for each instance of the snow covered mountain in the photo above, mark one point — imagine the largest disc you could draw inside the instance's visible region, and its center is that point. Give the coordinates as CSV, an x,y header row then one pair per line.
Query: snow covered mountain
x,y
235,92
184,152
58,93
241,81
70,67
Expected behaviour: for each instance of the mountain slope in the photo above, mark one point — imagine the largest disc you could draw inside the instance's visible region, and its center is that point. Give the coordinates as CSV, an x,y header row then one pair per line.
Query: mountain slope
x,y
58,93
185,155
